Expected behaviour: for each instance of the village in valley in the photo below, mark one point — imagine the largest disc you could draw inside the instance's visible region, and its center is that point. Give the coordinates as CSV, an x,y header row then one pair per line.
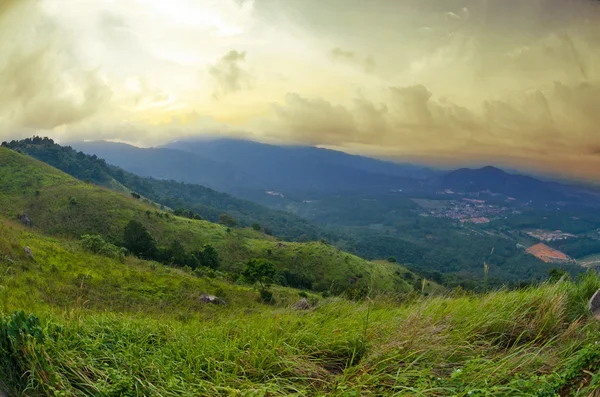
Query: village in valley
x,y
466,210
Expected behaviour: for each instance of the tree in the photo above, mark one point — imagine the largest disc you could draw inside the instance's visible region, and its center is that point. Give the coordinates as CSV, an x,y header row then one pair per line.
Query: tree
x,y
227,220
261,272
256,227
209,257
177,252
139,241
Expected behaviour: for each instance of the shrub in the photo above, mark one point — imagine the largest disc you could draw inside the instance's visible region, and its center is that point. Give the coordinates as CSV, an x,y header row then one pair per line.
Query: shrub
x,y
96,244
266,296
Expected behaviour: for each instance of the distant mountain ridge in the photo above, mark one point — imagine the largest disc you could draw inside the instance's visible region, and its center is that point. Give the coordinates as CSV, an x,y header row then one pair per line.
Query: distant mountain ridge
x,y
523,187
250,169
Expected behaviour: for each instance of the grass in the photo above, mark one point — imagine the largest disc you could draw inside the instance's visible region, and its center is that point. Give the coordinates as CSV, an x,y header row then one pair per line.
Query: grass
x,y
101,327
46,195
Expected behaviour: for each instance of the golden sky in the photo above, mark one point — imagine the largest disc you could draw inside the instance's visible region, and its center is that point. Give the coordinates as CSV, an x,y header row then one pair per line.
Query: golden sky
x,y
513,82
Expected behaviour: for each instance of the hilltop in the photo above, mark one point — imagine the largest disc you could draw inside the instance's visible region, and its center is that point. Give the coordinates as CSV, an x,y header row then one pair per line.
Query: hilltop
x,y
60,205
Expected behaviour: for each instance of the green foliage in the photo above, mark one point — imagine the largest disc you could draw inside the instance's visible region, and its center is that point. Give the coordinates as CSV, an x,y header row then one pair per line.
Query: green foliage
x,y
178,254
21,347
555,274
261,272
96,244
227,220
266,296
391,259
256,227
138,240
209,257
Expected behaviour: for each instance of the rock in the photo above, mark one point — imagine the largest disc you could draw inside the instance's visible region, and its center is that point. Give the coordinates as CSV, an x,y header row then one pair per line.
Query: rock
x,y
302,304
25,219
28,252
205,298
594,305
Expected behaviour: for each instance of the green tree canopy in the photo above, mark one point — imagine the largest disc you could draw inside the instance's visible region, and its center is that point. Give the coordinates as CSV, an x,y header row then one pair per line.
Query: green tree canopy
x,y
227,220
139,241
210,257
259,271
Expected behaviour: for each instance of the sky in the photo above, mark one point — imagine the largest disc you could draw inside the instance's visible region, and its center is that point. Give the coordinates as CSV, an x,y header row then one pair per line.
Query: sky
x,y
446,82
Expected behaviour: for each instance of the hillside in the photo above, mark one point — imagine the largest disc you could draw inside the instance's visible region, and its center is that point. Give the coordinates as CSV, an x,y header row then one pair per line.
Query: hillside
x,y
208,203
370,225
60,205
78,324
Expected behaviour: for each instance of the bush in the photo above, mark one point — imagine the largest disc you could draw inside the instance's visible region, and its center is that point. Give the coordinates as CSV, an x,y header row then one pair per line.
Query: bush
x,y
266,296
96,244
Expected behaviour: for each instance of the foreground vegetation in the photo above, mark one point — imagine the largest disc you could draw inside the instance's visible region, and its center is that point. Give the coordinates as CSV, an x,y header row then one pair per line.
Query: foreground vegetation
x,y
75,323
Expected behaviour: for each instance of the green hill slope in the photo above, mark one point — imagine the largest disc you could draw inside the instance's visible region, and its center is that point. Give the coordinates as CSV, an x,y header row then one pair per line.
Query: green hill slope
x,y
77,324
202,200
60,205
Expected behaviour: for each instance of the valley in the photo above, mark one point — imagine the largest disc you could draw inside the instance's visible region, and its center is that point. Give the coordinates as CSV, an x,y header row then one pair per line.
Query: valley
x,y
474,212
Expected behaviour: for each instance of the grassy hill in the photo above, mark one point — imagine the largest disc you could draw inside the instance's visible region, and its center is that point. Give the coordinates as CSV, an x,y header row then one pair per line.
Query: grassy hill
x,y
60,205
77,324
206,202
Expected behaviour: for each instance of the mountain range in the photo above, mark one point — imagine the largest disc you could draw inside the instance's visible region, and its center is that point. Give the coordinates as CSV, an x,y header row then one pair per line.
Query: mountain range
x,y
274,175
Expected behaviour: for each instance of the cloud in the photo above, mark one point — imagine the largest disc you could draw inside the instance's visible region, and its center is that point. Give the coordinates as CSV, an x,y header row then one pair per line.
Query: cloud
x,y
367,63
42,84
314,120
438,78
228,74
